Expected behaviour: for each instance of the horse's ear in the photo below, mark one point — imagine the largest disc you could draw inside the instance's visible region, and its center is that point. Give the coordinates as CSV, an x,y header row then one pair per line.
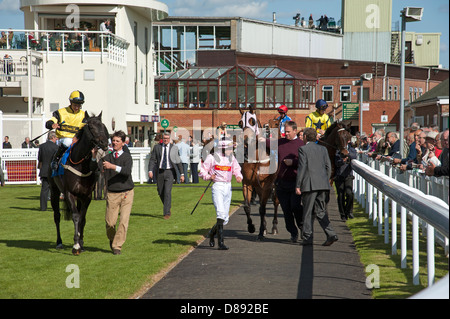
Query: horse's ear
x,y
87,115
100,115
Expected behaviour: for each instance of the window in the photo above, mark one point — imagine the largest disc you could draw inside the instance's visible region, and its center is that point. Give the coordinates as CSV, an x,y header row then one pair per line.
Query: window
x,y
327,93
390,93
345,93
395,93
411,92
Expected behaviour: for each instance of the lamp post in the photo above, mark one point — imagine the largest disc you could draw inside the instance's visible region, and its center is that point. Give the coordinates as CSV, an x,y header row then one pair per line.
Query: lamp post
x,y
408,14
360,82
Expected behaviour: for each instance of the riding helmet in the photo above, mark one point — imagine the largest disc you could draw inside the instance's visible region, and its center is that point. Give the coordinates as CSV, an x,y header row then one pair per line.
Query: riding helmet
x,y
321,104
76,97
283,109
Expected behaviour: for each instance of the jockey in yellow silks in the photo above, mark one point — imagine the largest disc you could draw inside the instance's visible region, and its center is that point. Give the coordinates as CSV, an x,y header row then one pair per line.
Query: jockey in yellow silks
x,y
319,120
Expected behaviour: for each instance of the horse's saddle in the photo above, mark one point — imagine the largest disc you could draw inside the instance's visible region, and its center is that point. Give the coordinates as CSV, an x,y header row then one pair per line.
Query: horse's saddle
x,y
62,162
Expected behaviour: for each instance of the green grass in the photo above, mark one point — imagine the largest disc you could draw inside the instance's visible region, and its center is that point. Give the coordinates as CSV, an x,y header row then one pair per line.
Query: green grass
x,y
395,282
32,267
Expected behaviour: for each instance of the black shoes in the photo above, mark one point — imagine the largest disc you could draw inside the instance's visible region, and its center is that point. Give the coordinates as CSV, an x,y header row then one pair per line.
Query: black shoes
x,y
330,240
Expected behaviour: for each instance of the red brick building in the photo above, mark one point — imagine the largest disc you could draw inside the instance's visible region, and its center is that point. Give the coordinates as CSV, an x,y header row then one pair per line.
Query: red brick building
x,y
333,83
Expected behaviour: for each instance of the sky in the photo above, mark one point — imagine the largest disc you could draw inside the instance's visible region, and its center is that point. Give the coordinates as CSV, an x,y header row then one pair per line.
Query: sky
x,y
435,14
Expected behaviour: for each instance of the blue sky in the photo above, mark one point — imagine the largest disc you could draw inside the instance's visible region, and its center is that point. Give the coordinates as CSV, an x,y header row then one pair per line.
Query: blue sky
x,y
435,16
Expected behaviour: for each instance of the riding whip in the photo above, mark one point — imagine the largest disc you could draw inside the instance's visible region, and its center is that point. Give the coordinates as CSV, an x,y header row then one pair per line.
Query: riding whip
x,y
202,196
34,139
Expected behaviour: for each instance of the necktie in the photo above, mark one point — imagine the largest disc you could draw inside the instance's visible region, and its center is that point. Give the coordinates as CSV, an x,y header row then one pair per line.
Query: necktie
x,y
116,155
164,161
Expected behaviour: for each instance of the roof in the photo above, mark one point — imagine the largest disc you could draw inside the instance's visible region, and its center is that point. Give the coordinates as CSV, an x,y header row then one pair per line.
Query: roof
x,y
214,73
438,92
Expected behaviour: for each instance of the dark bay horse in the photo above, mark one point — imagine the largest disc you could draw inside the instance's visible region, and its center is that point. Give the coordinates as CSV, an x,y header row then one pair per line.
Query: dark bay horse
x,y
78,180
335,138
259,175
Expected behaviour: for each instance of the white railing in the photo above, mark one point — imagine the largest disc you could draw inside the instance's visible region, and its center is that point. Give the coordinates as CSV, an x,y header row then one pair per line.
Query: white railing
x,y
382,196
63,42
20,165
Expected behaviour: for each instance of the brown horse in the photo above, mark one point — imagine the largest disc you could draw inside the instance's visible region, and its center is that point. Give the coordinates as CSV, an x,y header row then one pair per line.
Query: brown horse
x,y
259,174
78,180
335,139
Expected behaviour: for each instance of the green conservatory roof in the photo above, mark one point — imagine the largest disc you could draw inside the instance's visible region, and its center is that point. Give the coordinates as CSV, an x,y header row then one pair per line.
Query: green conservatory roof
x,y
214,73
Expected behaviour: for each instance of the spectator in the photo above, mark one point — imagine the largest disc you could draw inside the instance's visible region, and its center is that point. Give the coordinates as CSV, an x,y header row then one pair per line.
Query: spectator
x,y
8,66
438,145
297,19
313,175
27,143
6,143
344,182
419,150
430,155
195,160
437,171
3,40
184,152
45,155
311,22
393,144
163,159
105,26
285,183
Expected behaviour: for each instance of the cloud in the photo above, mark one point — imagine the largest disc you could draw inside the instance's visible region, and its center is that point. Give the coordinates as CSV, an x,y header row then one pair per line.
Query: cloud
x,y
9,5
219,8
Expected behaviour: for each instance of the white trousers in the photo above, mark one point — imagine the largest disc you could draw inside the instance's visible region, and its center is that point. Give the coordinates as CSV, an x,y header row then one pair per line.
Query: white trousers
x,y
221,196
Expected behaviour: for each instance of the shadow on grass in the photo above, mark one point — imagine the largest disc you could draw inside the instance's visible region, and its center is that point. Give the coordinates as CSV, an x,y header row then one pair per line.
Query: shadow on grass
x,y
47,246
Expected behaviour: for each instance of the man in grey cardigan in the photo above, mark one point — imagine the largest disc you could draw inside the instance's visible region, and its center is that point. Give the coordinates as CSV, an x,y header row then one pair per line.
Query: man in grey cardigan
x,y
313,175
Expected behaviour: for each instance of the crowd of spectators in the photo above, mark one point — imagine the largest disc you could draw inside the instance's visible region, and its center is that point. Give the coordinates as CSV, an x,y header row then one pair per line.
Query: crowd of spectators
x,y
425,149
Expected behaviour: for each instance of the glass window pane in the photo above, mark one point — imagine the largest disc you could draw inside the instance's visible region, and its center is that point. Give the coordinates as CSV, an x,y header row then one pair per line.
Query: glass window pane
x,y
206,38
223,38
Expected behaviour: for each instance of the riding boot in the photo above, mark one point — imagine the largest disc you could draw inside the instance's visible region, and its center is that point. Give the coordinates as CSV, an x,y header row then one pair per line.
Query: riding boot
x,y
59,153
220,234
211,234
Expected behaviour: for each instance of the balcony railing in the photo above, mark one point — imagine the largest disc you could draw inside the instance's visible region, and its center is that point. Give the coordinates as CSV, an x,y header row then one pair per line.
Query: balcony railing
x,y
106,44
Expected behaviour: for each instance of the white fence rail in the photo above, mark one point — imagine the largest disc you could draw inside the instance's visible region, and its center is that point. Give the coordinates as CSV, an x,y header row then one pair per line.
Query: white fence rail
x,y
20,165
383,197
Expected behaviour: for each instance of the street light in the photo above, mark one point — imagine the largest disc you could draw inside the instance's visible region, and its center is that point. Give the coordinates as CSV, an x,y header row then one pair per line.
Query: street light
x,y
360,82
408,14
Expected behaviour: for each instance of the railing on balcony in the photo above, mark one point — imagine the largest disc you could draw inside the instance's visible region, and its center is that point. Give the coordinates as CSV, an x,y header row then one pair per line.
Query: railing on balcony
x,y
106,44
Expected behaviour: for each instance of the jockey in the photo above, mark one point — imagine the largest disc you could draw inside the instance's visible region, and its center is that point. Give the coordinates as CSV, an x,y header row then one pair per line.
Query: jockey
x,y
318,119
220,167
283,118
67,121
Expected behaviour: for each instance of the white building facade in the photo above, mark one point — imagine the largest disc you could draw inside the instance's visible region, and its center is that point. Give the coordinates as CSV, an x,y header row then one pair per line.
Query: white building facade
x,y
61,50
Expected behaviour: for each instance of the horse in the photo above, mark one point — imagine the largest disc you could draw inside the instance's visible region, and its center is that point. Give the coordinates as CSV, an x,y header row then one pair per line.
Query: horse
x,y
258,176
335,138
78,180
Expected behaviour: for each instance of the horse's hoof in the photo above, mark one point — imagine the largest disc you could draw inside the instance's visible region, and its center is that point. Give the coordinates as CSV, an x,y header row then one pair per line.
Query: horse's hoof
x,y
260,238
59,246
76,252
274,231
251,228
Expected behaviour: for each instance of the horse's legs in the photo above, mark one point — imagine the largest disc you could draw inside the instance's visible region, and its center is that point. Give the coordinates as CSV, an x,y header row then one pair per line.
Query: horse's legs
x,y
54,200
263,198
247,192
275,213
76,217
83,211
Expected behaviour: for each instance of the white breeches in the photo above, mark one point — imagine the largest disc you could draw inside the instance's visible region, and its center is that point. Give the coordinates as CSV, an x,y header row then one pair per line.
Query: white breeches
x,y
67,141
221,196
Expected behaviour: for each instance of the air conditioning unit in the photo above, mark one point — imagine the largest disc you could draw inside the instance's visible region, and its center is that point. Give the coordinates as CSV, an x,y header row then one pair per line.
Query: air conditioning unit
x,y
413,14
419,39
367,76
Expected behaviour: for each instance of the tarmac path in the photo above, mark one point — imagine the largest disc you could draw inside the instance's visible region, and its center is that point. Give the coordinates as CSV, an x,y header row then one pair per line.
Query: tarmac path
x,y
275,268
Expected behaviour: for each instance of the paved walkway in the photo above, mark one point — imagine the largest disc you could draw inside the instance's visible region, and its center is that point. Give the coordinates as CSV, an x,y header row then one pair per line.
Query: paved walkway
x,y
272,269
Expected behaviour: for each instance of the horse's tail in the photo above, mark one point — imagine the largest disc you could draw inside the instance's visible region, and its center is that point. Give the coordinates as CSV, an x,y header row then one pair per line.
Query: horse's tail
x,y
67,212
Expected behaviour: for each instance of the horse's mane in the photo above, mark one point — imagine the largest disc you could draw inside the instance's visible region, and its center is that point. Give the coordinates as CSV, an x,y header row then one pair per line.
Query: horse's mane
x,y
329,130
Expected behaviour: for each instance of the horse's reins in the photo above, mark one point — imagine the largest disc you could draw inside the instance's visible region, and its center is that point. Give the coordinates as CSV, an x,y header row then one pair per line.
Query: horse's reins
x,y
321,141
71,168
